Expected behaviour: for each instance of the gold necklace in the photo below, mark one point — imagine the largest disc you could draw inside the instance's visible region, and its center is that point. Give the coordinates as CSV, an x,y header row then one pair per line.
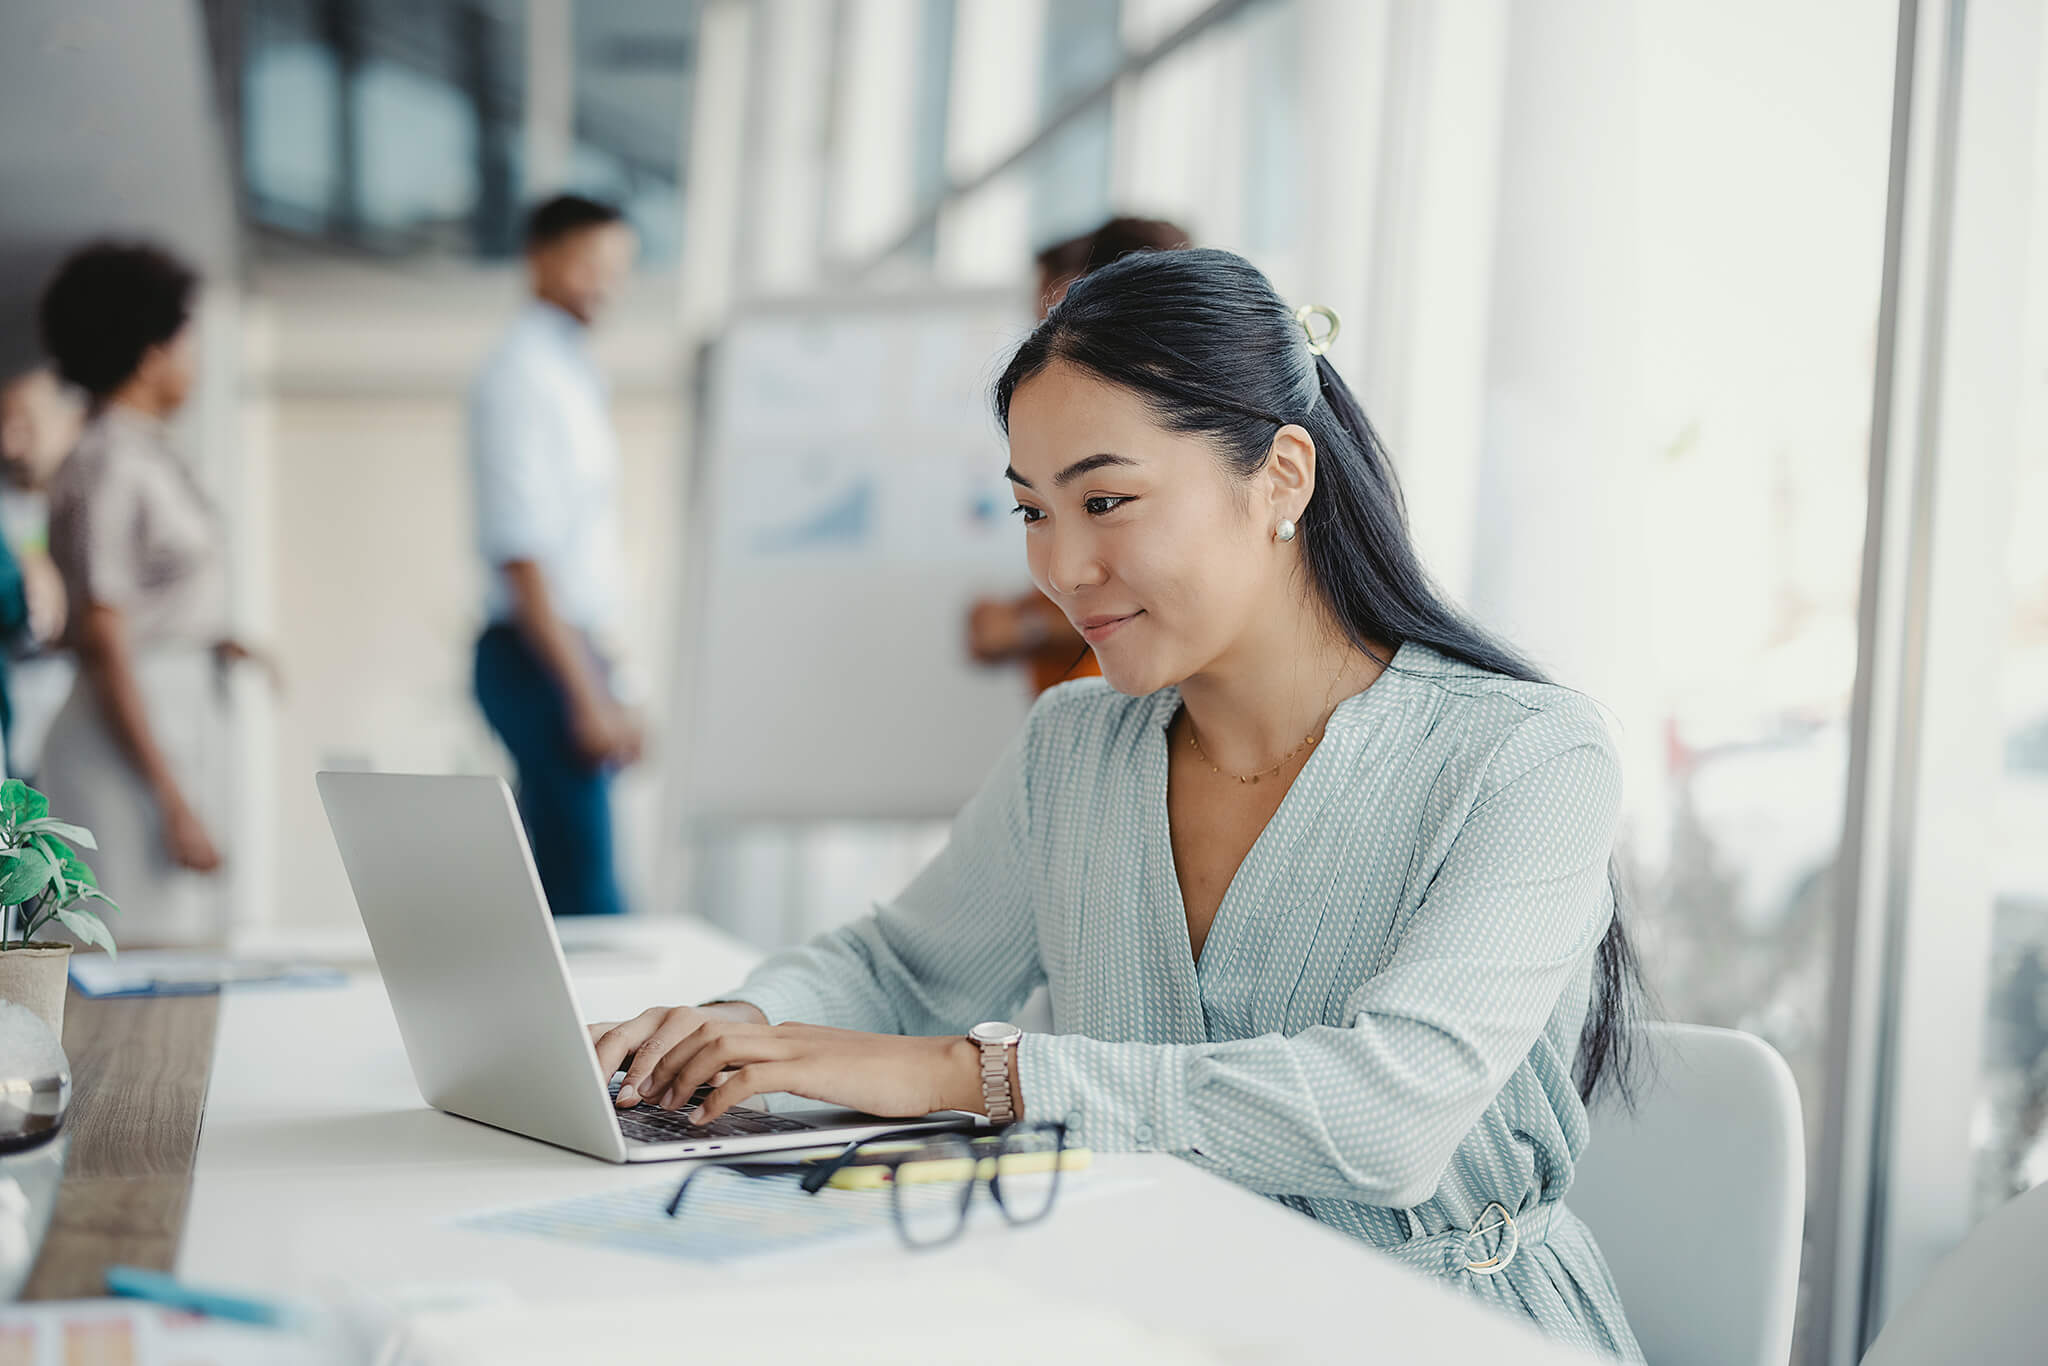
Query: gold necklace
x,y
1306,741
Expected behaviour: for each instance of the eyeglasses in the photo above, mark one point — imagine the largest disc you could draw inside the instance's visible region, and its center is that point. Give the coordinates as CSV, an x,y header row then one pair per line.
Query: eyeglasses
x,y
931,1176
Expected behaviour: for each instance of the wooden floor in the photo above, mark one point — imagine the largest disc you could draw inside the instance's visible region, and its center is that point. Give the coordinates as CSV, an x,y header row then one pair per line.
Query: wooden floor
x,y
139,1070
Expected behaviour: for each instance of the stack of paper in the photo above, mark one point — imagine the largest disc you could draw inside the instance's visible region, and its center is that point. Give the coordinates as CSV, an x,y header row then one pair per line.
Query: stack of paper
x,y
123,1333
184,972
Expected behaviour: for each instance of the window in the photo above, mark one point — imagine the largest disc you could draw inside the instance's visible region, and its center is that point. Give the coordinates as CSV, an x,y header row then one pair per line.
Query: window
x,y
401,127
1071,172
382,125
294,113
2009,1125
632,91
1756,363
1273,133
929,121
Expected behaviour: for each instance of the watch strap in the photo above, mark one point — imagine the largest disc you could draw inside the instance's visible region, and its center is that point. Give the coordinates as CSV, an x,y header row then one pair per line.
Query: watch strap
x,y
996,1099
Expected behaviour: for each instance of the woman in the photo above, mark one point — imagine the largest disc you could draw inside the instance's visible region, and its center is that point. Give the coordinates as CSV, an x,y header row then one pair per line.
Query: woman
x,y
136,751
1318,877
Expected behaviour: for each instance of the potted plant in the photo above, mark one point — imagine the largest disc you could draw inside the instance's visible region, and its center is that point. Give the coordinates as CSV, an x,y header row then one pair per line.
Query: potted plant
x,y
42,879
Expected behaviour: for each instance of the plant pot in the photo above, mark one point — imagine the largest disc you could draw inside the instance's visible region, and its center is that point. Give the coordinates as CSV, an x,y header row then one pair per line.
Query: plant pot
x,y
36,975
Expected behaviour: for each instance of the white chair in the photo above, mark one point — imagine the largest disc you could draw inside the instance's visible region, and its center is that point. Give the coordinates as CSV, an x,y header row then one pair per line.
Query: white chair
x,y
1985,1303
1697,1199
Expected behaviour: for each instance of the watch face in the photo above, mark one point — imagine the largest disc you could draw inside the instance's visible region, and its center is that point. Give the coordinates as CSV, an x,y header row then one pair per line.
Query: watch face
x,y
993,1031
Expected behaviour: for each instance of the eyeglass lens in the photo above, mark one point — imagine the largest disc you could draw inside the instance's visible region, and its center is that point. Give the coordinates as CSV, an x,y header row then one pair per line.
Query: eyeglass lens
x,y
931,1189
1025,1173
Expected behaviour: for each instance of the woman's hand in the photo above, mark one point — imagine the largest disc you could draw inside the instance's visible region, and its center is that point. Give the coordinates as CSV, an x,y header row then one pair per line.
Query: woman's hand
x,y
229,652
43,586
675,1050
186,839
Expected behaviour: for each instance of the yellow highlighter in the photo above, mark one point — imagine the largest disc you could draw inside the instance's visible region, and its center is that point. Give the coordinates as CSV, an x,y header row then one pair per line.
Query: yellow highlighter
x,y
875,1172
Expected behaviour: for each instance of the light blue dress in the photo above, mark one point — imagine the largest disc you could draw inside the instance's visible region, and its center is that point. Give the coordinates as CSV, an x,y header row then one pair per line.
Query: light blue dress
x,y
1381,1028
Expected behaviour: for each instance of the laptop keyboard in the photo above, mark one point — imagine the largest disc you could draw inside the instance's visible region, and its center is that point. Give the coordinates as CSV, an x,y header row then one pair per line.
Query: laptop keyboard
x,y
651,1124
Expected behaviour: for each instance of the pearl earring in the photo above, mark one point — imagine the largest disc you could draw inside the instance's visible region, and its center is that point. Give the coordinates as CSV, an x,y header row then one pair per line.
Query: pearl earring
x,y
1285,531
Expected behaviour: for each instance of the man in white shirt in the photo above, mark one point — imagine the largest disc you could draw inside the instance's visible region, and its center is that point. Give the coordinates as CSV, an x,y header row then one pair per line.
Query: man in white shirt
x,y
546,470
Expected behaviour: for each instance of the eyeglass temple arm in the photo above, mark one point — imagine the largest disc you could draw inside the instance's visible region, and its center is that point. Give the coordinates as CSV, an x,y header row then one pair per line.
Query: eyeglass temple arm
x,y
818,1174
749,1169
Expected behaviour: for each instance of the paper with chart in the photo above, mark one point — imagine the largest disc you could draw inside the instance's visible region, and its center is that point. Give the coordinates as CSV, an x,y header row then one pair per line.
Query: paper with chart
x,y
868,439
732,1218
849,506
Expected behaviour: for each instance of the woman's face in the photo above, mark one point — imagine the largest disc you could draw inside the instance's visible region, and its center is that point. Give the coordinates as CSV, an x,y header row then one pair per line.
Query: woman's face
x,y
1156,552
39,424
170,368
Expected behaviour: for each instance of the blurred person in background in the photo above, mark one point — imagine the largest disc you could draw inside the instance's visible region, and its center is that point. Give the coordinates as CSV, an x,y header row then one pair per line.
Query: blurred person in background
x,y
131,753
14,626
40,420
545,466
1028,629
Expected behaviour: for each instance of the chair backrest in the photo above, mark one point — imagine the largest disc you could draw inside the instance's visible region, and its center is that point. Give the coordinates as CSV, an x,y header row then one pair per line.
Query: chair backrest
x,y
1984,1304
1697,1198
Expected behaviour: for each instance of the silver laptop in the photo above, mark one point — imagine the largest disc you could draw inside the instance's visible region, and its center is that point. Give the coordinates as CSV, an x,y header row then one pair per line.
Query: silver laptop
x,y
468,952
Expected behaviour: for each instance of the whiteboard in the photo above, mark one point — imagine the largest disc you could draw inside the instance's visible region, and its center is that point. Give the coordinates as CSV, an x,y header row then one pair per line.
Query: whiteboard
x,y
847,506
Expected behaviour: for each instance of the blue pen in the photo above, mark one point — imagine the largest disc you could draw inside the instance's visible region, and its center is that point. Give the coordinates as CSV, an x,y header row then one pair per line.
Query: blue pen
x,y
135,1283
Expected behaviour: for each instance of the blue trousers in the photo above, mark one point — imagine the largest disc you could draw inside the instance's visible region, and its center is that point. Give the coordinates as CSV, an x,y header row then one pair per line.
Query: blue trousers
x,y
564,800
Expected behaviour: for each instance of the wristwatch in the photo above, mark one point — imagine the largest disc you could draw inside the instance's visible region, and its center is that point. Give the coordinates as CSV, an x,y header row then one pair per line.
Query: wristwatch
x,y
996,1038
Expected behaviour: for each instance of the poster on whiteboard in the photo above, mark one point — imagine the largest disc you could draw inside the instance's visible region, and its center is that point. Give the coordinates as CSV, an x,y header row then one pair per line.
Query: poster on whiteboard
x,y
848,505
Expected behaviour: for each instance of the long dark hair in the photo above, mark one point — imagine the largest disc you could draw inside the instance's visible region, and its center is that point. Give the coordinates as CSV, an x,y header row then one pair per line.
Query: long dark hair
x,y
1201,336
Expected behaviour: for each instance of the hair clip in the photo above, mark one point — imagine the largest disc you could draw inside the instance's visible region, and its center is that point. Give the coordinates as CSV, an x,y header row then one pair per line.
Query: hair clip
x,y
1318,342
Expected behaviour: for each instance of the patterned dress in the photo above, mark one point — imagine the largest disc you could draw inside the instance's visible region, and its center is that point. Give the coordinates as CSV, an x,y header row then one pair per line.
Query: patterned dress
x,y
1381,1028
131,529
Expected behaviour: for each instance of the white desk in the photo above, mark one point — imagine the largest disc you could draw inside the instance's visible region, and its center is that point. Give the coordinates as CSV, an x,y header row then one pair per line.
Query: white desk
x,y
320,1169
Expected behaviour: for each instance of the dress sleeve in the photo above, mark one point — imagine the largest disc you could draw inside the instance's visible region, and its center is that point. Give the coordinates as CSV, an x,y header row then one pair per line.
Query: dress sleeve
x,y
1372,1111
518,500
97,533
960,945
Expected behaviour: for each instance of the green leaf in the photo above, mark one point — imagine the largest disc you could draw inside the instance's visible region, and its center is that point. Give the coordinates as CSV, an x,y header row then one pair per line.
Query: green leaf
x,y
56,853
66,864
54,850
86,926
20,803
50,825
25,877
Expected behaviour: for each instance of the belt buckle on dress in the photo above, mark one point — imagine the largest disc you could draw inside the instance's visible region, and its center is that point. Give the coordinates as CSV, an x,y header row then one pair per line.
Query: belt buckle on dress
x,y
1511,1240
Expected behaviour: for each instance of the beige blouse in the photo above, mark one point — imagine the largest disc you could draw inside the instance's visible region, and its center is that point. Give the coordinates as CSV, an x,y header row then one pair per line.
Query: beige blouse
x,y
130,528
